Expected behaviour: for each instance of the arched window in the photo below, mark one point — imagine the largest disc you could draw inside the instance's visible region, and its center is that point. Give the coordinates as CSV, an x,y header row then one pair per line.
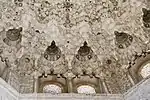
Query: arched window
x,y
52,88
145,71
86,89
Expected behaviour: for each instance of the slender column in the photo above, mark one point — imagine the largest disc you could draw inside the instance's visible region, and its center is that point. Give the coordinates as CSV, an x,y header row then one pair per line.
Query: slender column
x,y
70,86
69,77
36,84
105,86
101,87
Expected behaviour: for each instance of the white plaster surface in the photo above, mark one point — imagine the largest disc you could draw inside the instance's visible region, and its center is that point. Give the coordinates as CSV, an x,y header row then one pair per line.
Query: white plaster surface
x,y
141,91
7,92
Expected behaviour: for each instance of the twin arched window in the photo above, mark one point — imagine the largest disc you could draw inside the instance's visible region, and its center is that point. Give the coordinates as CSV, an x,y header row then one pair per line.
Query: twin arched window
x,y
87,89
55,89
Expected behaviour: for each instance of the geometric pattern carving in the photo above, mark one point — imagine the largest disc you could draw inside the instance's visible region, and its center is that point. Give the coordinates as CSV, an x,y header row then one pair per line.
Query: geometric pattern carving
x,y
50,67
42,12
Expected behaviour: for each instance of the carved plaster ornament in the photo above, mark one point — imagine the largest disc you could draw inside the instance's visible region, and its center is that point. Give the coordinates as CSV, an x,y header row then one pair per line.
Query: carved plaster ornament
x,y
146,17
68,6
13,36
92,14
85,61
84,53
52,61
69,74
52,53
123,40
18,3
6,71
25,65
114,2
42,13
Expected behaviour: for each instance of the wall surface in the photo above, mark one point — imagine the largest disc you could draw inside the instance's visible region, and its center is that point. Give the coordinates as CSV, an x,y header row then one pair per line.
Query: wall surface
x,y
140,91
7,92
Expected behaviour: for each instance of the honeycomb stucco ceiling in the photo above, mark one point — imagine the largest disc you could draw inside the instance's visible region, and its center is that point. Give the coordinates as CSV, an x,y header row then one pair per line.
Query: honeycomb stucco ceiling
x,y
70,23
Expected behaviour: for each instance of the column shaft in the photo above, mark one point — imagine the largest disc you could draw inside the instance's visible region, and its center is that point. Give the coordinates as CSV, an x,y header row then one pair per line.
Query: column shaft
x,y
70,87
101,87
36,85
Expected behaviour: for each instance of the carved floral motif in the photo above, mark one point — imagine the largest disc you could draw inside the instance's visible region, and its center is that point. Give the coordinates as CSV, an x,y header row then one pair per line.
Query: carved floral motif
x,y
42,12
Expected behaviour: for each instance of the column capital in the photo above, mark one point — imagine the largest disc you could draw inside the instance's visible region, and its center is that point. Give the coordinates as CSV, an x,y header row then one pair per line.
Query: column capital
x,y
69,75
36,74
